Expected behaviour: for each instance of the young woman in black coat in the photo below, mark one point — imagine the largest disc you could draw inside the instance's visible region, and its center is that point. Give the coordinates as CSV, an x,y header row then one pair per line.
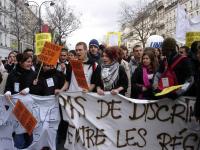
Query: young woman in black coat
x,y
20,81
21,78
141,80
111,76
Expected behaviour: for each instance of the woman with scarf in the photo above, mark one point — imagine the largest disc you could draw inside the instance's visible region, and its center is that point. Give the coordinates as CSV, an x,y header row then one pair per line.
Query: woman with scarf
x,y
141,80
112,76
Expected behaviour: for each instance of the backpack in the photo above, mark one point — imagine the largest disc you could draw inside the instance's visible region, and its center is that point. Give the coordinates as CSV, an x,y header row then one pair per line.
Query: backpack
x,y
168,78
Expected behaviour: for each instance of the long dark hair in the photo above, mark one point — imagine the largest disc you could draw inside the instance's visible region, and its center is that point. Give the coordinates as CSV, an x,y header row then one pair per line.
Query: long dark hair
x,y
154,60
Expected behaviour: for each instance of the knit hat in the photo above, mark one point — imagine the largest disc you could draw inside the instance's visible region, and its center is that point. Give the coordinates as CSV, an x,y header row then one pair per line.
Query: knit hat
x,y
94,42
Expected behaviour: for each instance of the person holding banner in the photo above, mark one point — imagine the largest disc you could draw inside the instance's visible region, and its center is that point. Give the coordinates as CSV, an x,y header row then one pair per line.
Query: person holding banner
x,y
111,75
174,70
197,81
141,80
21,78
50,82
89,69
19,81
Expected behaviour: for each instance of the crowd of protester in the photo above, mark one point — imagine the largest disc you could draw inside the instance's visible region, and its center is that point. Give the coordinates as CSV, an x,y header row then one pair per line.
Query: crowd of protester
x,y
106,69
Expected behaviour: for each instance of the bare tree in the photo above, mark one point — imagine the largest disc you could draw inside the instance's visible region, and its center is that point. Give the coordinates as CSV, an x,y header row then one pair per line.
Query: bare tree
x,y
62,21
23,22
136,19
17,24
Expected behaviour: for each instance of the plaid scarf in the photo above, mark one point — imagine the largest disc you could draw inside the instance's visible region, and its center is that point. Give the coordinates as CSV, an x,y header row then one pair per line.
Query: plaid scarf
x,y
110,75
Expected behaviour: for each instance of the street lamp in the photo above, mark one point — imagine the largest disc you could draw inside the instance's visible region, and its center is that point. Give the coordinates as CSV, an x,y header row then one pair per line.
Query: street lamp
x,y
51,3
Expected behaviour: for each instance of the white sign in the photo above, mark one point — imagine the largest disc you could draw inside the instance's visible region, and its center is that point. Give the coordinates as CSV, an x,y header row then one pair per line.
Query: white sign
x,y
155,41
44,108
116,122
185,24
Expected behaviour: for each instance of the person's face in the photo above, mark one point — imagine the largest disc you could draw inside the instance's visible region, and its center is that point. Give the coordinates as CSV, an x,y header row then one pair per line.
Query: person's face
x,y
63,56
81,52
146,60
71,56
125,53
182,52
12,58
93,49
27,64
157,52
138,53
198,55
106,59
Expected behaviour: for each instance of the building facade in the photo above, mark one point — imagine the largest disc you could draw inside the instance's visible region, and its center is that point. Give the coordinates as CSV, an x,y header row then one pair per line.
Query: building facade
x,y
160,19
16,26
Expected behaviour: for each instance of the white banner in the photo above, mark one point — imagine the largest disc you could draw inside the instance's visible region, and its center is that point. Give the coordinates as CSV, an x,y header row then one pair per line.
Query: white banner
x,y
185,24
45,109
116,122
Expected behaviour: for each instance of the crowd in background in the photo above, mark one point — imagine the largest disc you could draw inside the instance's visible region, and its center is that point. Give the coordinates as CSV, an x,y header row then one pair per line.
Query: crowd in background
x,y
137,74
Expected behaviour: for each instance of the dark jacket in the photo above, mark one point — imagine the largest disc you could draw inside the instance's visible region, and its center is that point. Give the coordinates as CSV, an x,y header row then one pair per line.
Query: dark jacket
x,y
94,58
43,87
19,75
137,83
197,104
122,81
9,67
183,70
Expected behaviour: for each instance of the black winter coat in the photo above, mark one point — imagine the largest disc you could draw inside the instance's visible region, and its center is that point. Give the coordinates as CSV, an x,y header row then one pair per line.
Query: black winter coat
x,y
197,104
122,81
137,83
24,78
43,87
183,70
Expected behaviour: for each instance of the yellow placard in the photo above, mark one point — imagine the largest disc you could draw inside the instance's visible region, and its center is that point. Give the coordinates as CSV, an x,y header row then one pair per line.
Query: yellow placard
x,y
40,39
168,90
191,37
113,38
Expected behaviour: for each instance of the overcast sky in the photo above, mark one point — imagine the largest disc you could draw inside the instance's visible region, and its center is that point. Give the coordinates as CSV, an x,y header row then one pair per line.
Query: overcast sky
x,y
97,18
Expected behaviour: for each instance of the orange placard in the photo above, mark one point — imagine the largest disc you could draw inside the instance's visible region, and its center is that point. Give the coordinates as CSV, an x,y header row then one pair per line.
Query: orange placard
x,y
25,117
77,68
50,53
